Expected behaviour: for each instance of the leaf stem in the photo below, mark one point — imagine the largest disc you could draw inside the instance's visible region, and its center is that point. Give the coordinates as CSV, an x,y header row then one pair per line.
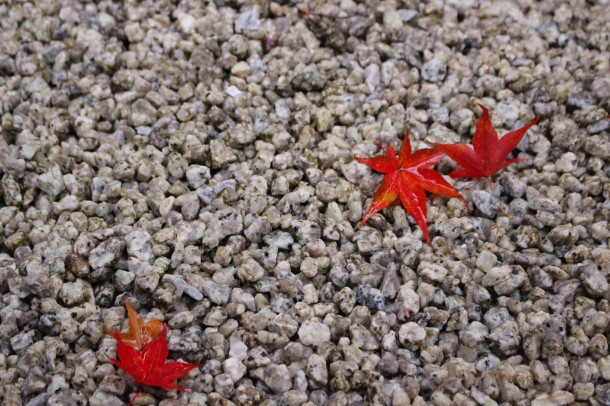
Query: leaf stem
x,y
501,206
505,212
135,396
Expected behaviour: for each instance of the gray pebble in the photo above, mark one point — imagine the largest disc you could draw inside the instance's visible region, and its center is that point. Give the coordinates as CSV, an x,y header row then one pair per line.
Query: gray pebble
x,y
505,279
485,202
248,20
277,378
106,253
314,333
434,70
51,182
197,175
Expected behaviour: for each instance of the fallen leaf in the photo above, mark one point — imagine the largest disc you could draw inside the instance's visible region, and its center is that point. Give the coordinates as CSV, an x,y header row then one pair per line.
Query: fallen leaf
x,y
140,332
408,178
148,366
489,153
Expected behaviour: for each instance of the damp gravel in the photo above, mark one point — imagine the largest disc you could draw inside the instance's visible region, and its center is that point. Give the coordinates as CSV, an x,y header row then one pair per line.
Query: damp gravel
x,y
196,159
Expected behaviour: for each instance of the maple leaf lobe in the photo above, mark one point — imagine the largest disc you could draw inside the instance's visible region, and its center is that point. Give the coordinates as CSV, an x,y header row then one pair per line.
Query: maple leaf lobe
x,y
407,179
383,164
488,153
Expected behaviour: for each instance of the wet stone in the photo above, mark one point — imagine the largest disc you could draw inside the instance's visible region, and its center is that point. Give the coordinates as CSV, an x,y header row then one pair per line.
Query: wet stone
x,y
201,166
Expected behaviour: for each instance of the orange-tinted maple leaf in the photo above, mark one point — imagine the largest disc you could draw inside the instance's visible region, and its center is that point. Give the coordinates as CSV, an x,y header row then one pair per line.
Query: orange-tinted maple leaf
x,y
140,332
489,153
408,178
148,366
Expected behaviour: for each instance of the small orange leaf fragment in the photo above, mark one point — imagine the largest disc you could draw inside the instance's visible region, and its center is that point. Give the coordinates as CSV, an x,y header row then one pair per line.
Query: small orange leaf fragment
x,y
140,333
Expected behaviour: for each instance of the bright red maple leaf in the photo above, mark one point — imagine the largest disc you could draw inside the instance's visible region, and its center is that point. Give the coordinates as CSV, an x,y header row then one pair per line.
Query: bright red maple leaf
x,y
408,178
148,366
489,153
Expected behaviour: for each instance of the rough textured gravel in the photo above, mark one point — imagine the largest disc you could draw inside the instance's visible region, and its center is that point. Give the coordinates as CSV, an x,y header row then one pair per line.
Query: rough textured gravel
x,y
196,158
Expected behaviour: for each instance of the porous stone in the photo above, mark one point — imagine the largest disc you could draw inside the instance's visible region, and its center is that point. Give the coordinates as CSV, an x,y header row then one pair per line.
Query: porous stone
x,y
314,333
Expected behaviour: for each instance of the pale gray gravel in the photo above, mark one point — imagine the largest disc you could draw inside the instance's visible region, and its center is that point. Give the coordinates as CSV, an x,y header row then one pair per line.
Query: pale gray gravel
x,y
196,159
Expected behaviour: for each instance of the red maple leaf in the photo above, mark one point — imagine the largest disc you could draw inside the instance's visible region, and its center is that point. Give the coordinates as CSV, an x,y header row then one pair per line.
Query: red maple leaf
x,y
148,366
408,178
489,153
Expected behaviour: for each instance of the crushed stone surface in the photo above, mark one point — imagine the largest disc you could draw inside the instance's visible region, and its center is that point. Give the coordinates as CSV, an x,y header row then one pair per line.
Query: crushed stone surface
x,y
196,159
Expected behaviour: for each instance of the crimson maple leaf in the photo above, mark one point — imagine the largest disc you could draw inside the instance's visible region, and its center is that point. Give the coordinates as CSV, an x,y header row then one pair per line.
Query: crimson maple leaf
x,y
148,366
408,178
140,332
489,153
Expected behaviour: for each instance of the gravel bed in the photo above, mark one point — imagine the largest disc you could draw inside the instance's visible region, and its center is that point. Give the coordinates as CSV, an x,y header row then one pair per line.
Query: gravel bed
x,y
196,158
